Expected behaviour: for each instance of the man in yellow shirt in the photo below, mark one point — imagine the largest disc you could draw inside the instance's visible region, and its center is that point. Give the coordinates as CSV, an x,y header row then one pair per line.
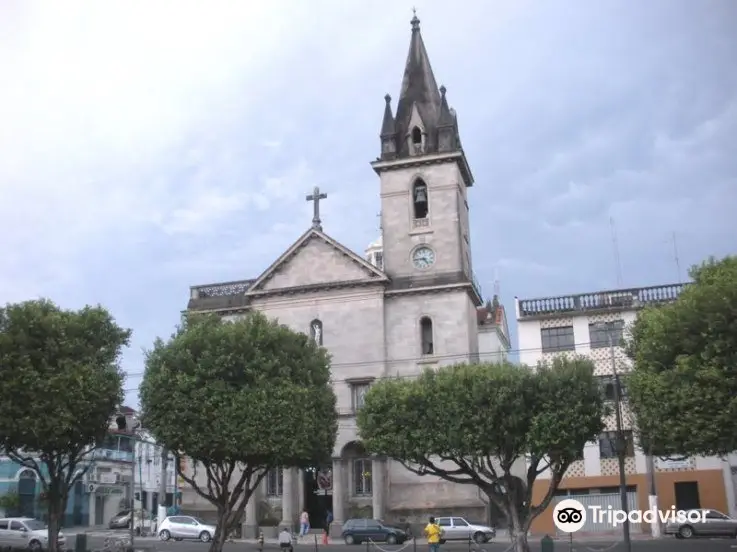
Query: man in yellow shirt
x,y
433,532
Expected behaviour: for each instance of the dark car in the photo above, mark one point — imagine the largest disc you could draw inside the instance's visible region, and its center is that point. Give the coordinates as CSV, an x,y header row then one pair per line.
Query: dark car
x,y
356,531
121,520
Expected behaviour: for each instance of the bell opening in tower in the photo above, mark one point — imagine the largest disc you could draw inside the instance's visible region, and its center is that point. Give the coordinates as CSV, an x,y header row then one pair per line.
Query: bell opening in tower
x,y
419,196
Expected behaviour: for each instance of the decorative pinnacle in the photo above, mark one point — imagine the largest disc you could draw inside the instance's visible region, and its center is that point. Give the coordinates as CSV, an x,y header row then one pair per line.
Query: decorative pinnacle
x,y
442,89
415,21
387,98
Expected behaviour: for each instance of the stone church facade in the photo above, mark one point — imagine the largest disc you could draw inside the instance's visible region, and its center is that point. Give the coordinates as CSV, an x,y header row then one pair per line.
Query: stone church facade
x,y
411,304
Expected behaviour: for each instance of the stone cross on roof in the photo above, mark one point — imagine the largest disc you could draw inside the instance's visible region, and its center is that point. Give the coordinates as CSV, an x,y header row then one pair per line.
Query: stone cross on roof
x,y
315,198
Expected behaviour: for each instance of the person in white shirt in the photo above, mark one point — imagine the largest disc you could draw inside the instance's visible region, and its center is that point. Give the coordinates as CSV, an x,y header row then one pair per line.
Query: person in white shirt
x,y
285,540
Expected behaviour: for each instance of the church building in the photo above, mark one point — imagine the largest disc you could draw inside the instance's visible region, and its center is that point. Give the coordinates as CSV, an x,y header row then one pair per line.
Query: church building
x,y
409,304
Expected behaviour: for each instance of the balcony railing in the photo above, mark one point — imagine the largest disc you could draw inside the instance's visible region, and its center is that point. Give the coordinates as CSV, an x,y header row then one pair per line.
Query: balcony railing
x,y
225,289
621,299
112,455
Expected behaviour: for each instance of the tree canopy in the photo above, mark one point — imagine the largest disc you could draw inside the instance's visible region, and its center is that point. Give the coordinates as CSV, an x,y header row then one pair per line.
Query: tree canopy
x,y
61,384
475,424
238,398
683,387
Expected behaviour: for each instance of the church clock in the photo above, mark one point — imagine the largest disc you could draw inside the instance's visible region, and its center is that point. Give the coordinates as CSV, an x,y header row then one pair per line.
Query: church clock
x,y
423,257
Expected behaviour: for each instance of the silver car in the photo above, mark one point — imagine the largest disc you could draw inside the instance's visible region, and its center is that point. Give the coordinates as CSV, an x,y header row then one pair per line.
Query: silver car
x,y
711,524
27,533
185,527
457,528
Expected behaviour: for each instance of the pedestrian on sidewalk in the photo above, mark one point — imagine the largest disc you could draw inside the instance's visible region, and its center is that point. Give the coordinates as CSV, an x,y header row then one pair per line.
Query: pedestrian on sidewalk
x,y
328,521
304,523
285,540
433,532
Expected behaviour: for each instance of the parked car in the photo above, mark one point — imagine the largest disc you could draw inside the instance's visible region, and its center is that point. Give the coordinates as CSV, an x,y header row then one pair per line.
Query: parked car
x,y
122,520
27,533
185,528
457,528
356,531
714,524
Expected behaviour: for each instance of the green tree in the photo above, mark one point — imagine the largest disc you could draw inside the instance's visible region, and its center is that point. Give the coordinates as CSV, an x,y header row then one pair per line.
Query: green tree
x,y
683,386
61,384
476,424
238,398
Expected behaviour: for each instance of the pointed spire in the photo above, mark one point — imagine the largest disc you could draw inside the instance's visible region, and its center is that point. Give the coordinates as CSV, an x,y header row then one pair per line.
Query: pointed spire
x,y
419,89
446,116
387,126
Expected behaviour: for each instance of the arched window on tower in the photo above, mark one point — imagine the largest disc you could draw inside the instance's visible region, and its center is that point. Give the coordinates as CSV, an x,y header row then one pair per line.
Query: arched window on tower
x,y
426,336
417,140
419,200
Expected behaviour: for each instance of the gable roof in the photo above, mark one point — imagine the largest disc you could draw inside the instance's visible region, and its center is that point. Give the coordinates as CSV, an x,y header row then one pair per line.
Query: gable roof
x,y
365,273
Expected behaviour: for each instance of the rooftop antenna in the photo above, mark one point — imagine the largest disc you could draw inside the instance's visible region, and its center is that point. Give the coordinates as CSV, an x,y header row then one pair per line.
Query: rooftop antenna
x,y
615,246
676,258
496,281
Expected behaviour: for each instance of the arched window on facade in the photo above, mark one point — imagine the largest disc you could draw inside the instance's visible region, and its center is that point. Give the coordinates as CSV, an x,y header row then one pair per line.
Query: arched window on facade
x,y
419,200
426,336
27,493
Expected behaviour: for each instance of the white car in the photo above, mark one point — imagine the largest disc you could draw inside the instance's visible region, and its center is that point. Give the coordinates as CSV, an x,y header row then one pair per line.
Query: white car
x,y
185,527
457,528
32,534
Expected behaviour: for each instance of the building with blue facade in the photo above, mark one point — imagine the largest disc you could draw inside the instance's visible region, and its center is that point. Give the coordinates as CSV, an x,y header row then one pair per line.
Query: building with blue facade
x,y
101,493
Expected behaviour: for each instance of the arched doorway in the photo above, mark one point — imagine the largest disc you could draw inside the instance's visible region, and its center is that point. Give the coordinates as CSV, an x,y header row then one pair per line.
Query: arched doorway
x,y
318,488
27,493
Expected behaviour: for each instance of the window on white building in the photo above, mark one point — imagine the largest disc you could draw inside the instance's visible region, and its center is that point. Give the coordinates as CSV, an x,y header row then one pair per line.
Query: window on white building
x,y
275,482
599,334
359,390
608,444
362,471
608,387
557,339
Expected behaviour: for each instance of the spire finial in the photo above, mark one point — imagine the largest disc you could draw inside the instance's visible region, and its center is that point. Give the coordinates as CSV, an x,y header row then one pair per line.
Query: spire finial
x,y
415,21
388,99
442,90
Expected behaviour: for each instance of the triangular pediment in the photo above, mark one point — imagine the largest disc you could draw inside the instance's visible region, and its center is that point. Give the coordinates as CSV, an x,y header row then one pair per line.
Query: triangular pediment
x,y
316,260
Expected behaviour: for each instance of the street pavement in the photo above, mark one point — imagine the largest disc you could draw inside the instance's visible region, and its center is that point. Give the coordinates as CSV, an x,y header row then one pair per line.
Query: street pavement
x,y
95,542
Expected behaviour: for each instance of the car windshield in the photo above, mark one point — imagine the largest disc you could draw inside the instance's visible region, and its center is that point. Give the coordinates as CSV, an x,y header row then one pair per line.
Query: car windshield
x,y
35,525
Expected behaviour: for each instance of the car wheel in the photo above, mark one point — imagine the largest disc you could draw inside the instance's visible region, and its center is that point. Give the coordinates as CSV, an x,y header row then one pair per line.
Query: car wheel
x,y
165,535
479,538
686,532
391,539
35,546
205,536
349,539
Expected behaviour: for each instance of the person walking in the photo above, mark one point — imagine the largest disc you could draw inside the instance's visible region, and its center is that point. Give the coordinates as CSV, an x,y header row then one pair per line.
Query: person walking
x,y
304,523
433,532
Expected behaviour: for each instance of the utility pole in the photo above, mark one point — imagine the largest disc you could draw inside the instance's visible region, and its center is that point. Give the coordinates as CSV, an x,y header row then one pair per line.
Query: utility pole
x,y
163,484
621,445
134,465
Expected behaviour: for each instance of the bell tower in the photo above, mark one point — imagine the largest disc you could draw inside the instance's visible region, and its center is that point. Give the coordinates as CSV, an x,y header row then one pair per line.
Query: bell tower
x,y
424,179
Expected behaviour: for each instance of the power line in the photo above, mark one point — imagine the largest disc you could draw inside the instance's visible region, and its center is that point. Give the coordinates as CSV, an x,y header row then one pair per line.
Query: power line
x,y
428,359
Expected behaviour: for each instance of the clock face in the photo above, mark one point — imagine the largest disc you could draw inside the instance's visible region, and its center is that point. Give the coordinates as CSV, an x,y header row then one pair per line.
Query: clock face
x,y
423,257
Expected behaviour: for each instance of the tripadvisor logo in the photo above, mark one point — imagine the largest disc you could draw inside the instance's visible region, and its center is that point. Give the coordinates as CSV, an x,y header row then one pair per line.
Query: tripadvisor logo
x,y
570,516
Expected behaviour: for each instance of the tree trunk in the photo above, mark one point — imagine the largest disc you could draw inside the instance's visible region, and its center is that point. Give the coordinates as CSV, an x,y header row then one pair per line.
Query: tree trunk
x,y
221,532
54,523
519,540
518,530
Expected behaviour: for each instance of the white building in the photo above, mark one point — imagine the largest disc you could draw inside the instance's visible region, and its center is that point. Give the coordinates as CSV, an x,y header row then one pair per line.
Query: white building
x,y
149,472
581,324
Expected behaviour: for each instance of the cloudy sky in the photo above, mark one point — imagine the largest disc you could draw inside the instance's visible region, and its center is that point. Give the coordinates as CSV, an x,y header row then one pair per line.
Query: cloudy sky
x,y
149,146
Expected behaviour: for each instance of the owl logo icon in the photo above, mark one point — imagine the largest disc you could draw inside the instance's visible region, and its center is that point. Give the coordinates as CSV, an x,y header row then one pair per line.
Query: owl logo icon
x,y
569,516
